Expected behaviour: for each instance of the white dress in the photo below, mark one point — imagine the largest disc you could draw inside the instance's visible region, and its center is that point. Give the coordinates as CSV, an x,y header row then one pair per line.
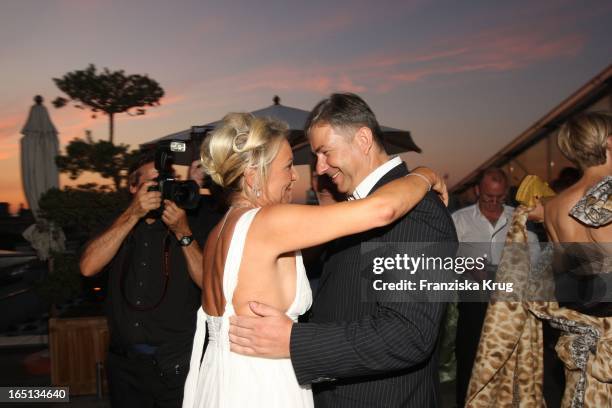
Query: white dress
x,y
225,379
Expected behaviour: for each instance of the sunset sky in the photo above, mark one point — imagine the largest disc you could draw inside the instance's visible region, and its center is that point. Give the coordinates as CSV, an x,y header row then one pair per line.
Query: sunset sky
x,y
464,77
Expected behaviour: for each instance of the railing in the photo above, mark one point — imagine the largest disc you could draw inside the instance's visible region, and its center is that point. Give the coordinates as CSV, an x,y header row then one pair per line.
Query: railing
x,y
15,293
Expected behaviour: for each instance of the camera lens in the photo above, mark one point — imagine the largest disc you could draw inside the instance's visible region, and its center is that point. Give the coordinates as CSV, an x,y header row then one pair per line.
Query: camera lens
x,y
185,194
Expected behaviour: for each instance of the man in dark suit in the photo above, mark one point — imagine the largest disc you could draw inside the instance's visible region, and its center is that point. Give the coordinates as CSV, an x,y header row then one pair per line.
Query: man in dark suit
x,y
357,353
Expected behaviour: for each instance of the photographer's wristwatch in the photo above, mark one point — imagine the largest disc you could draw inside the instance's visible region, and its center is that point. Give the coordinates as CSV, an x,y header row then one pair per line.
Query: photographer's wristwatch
x,y
186,240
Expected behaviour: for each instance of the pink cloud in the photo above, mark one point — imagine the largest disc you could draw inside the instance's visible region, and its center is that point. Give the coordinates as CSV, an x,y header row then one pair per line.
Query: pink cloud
x,y
282,79
11,125
318,82
167,108
289,32
439,55
346,84
519,50
9,150
289,77
492,51
172,98
72,123
389,61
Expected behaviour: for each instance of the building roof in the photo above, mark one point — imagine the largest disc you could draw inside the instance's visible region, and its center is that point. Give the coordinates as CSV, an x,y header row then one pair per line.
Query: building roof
x,y
593,91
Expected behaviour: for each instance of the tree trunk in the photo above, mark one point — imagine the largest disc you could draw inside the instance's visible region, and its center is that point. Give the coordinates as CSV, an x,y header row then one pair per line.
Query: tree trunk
x,y
117,181
112,127
53,311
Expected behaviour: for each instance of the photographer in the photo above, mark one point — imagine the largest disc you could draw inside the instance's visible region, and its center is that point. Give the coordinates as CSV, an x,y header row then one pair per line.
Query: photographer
x,y
154,258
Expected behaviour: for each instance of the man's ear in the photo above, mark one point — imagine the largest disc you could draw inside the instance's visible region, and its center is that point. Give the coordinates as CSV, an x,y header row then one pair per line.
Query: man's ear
x,y
364,139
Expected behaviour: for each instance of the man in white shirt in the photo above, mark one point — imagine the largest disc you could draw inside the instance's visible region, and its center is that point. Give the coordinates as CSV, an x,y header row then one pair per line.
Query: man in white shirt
x,y
482,229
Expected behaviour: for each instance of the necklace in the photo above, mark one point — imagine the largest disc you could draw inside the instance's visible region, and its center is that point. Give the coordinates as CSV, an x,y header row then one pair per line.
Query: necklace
x,y
241,205
231,207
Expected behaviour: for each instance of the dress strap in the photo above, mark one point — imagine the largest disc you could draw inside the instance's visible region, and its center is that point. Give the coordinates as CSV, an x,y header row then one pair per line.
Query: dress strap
x,y
234,258
224,221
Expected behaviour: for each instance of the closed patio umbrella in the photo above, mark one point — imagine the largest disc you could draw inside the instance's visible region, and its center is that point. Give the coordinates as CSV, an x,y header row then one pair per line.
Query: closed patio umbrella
x,y
39,147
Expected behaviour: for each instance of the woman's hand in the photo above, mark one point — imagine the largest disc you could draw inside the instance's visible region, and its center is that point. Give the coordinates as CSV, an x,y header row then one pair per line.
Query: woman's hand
x,y
536,214
436,182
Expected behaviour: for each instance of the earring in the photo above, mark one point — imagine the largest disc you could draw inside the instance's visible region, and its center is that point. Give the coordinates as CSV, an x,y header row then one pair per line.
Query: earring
x,y
257,192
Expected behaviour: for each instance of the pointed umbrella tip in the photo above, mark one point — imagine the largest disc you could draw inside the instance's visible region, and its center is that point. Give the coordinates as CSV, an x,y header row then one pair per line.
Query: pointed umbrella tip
x,y
38,99
276,100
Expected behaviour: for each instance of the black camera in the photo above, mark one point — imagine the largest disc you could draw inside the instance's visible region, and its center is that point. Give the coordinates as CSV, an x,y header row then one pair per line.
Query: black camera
x,y
185,194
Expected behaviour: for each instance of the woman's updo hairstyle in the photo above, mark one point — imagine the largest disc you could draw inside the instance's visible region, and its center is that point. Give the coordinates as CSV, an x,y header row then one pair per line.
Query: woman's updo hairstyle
x,y
240,141
583,138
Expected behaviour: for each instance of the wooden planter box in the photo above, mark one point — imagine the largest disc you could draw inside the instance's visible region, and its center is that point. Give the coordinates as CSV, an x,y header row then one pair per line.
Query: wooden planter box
x,y
75,346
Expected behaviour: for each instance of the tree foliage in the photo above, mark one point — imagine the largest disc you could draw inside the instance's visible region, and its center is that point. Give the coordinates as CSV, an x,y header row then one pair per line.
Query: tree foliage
x,y
109,92
102,157
83,211
64,282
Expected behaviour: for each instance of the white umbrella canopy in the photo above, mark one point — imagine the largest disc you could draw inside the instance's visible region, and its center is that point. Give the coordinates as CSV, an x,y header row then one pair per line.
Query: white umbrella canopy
x,y
39,147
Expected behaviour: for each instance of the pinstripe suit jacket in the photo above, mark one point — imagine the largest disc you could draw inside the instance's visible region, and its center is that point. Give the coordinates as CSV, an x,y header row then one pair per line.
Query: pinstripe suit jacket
x,y
372,354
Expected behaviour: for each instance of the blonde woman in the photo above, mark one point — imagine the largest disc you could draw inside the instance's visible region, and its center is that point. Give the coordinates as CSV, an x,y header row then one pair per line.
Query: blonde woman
x,y
586,140
579,223
253,255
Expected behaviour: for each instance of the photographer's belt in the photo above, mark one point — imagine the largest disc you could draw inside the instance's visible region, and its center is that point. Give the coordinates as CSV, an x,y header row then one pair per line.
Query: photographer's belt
x,y
165,272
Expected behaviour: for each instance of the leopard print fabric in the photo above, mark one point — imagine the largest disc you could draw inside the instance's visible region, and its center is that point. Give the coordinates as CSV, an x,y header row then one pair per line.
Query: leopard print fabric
x,y
504,375
508,370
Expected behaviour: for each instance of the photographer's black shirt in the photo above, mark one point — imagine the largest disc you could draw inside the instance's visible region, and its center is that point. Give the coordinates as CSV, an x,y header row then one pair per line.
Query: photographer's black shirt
x,y
169,326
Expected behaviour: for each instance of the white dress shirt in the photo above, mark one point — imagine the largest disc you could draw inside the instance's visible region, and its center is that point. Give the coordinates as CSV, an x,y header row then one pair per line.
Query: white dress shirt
x,y
368,183
473,227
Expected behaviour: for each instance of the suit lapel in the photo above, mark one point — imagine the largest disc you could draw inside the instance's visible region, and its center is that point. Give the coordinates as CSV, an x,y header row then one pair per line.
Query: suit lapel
x,y
339,244
398,171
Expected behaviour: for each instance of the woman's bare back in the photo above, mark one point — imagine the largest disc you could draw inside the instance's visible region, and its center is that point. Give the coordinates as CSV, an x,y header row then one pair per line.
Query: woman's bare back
x,y
564,228
561,226
263,276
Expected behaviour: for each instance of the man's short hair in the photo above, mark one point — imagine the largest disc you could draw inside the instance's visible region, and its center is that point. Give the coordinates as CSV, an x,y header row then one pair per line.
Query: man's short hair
x,y
345,111
583,138
145,157
495,173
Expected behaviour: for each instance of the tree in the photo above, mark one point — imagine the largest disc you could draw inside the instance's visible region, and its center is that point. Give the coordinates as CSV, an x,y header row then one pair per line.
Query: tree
x,y
63,283
110,92
82,211
103,157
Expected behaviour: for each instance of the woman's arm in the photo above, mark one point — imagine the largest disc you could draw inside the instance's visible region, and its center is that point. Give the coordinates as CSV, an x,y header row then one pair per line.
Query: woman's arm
x,y
288,227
